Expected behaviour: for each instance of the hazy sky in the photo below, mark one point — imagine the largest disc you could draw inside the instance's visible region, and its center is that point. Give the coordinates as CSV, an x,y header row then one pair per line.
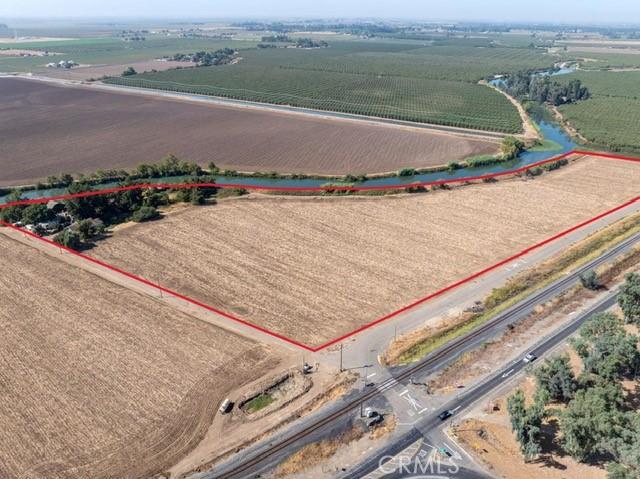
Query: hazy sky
x,y
559,11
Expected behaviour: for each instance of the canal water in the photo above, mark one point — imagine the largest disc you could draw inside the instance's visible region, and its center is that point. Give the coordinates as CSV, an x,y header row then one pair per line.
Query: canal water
x,y
551,131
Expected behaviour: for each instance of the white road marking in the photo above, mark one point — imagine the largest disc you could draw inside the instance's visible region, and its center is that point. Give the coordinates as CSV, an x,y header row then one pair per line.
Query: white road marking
x,y
387,384
412,402
508,373
371,375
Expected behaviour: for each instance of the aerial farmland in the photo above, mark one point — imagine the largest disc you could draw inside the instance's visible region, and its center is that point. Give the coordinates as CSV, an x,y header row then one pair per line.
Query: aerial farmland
x,y
292,248
121,386
109,130
336,255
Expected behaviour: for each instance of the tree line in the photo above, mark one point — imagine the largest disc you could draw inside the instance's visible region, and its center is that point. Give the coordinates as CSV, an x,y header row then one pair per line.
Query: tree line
x,y
542,89
222,56
85,218
594,421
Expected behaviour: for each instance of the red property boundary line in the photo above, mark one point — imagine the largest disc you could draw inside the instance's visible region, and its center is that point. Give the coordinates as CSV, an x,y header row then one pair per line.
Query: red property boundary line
x,y
322,188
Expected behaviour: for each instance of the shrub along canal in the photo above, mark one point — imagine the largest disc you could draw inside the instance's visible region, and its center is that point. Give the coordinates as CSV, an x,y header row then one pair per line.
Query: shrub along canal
x,y
552,132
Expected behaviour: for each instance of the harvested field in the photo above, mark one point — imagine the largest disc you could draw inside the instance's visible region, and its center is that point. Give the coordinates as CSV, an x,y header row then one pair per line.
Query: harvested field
x,y
98,71
103,130
316,268
101,382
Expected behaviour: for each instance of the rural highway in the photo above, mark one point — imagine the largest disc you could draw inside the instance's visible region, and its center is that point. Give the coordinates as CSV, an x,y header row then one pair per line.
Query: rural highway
x,y
429,423
357,350
262,457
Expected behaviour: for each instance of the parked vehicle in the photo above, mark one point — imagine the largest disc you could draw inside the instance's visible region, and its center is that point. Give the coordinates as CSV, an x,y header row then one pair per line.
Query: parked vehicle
x,y
226,406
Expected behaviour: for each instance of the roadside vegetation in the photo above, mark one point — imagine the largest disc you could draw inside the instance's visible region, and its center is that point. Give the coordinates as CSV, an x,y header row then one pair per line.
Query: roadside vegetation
x,y
544,319
597,419
417,345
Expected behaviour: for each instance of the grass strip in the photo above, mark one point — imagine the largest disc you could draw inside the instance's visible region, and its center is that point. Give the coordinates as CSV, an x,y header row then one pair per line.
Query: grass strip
x,y
522,286
259,402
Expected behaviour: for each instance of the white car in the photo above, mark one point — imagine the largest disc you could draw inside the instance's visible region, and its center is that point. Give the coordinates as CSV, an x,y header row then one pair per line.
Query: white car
x,y
529,358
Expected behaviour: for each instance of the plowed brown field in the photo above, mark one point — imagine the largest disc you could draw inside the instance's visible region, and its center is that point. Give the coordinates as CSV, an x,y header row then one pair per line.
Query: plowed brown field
x,y
100,382
47,129
315,268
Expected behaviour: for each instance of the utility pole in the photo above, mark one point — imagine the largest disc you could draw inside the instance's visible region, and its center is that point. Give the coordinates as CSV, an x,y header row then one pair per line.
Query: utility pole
x,y
341,346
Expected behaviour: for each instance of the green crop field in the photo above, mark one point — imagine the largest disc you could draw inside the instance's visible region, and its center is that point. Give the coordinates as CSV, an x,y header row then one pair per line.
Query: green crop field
x,y
601,60
415,80
101,51
608,119
432,79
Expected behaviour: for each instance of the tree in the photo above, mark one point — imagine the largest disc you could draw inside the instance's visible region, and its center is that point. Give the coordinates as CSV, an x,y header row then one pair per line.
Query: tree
x,y
590,280
605,348
511,147
556,377
591,420
88,229
526,422
626,449
84,207
154,198
197,198
68,238
129,71
213,169
145,213
66,179
38,213
12,214
629,298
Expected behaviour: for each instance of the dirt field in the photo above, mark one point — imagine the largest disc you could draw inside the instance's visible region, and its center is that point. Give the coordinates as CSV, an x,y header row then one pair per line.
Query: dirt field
x,y
316,268
98,71
100,382
102,130
626,51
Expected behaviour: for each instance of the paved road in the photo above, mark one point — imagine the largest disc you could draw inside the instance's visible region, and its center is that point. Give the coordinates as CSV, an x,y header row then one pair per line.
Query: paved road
x,y
263,456
357,350
431,422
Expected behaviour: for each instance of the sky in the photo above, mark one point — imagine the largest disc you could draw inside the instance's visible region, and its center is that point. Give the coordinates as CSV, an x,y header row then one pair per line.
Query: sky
x,y
556,11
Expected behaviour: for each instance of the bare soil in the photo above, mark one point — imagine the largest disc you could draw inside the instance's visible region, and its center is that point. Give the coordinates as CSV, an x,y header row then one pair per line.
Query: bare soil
x,y
316,268
610,49
495,445
48,129
98,71
102,382
16,52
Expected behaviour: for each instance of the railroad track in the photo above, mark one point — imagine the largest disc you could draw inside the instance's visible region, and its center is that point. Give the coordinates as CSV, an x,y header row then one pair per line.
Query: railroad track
x,y
450,350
